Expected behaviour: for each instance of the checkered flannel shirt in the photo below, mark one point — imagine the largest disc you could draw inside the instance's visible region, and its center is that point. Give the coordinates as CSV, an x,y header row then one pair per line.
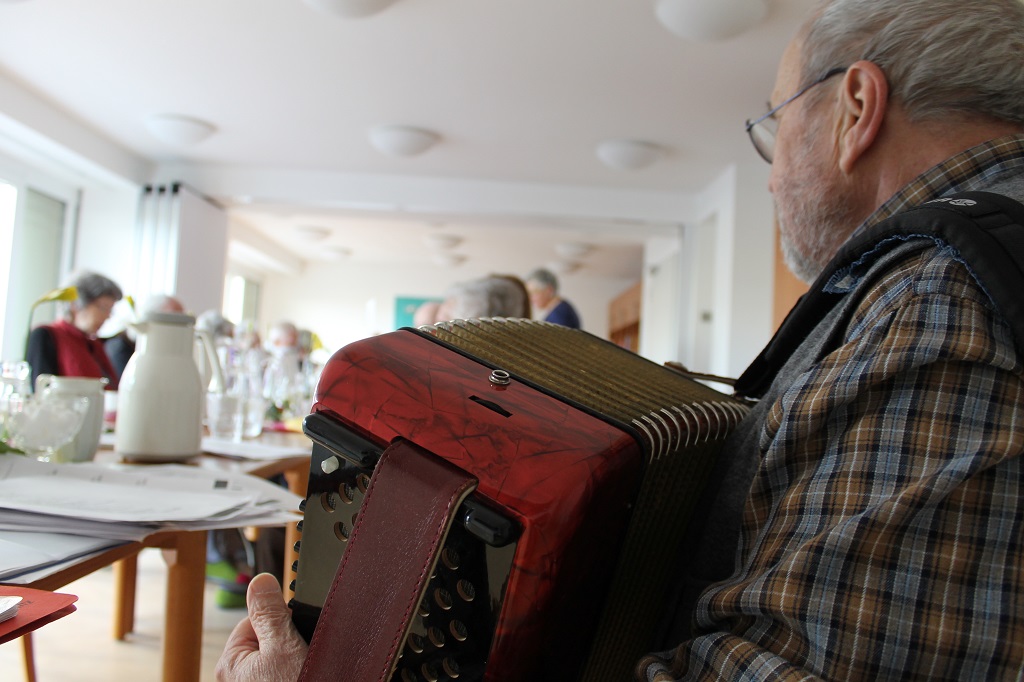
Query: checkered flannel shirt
x,y
882,536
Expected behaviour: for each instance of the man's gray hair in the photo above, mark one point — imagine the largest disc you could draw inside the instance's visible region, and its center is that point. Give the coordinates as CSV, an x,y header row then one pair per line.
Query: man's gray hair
x,y
941,57
487,297
544,277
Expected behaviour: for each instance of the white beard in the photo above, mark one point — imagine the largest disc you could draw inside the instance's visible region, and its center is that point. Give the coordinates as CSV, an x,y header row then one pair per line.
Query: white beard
x,y
814,211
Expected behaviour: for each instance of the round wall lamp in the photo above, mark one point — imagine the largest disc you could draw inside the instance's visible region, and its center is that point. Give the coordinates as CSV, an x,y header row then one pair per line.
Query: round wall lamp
x,y
350,9
395,140
628,154
180,131
702,20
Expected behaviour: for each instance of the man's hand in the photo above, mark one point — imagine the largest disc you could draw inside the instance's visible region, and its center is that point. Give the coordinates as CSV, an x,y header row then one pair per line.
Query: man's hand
x,y
265,647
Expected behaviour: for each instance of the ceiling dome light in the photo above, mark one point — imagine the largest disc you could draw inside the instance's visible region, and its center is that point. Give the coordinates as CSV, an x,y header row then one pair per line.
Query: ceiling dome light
x,y
180,131
628,154
313,233
563,267
401,140
338,252
350,9
448,260
573,250
704,20
442,241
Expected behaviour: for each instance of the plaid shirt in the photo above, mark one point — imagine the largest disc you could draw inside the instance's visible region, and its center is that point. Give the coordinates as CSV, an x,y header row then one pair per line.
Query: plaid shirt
x,y
882,536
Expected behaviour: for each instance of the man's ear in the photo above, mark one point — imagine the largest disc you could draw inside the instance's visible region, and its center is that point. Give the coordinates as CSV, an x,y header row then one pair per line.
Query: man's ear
x,y
863,102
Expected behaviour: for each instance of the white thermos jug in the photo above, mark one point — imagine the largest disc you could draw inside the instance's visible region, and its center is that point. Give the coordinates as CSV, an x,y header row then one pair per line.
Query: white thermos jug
x,y
159,411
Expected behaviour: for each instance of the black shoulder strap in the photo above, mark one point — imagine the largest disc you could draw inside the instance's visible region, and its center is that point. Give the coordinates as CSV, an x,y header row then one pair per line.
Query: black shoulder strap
x,y
986,229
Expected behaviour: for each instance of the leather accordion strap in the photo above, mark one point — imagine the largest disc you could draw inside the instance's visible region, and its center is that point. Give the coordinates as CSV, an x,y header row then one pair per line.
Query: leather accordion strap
x,y
404,519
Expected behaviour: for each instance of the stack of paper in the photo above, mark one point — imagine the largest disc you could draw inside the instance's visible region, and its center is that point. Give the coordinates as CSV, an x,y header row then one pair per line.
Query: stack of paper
x,y
69,502
8,607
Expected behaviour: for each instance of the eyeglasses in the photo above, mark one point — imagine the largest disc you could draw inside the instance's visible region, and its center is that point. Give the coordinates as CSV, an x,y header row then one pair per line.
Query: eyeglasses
x,y
762,130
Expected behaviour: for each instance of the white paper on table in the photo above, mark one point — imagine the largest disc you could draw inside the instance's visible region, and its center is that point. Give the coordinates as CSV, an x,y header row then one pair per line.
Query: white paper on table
x,y
28,521
251,449
177,477
57,489
22,552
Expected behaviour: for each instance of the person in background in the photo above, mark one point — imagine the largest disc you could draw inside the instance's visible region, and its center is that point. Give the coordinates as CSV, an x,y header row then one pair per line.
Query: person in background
x,y
492,296
426,314
283,383
547,304
69,347
121,346
525,311
215,324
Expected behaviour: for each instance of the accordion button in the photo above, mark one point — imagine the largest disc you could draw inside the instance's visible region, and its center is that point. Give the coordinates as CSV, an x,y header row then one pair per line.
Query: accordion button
x,y
451,668
466,590
415,644
330,465
450,558
429,671
443,598
458,630
436,637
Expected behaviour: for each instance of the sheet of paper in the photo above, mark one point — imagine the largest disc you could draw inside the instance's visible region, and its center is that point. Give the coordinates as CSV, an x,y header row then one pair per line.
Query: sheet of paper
x,y
251,449
22,551
108,502
8,607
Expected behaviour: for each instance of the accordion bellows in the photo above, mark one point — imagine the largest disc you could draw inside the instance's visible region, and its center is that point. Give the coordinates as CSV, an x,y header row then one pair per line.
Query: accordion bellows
x,y
588,462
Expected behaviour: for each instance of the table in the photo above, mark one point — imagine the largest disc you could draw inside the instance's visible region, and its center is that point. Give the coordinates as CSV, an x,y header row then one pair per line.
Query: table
x,y
186,560
183,615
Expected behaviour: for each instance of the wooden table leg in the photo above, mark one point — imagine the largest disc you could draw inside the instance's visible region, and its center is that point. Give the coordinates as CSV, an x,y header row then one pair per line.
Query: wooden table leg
x,y
183,618
30,659
298,481
125,572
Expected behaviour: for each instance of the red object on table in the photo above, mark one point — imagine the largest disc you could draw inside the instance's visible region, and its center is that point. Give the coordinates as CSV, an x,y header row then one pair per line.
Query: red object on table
x,y
37,608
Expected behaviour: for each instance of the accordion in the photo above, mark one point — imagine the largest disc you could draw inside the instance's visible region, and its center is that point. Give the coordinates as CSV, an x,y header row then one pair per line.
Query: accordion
x,y
499,500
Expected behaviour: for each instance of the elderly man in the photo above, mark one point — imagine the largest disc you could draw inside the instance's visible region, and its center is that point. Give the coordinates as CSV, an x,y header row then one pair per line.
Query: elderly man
x,y
870,524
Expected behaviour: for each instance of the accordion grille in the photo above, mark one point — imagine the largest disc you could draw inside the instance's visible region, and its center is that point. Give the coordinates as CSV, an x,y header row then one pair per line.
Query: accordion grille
x,y
667,410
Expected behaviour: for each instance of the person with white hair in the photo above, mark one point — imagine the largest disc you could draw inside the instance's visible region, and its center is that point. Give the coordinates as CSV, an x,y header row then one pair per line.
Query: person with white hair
x,y
69,347
547,303
493,296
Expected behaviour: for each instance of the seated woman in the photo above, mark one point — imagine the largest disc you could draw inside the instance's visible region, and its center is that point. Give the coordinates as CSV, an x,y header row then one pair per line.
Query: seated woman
x,y
69,346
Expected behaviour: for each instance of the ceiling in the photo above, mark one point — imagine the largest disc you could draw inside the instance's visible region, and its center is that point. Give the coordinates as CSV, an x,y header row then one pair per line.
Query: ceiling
x,y
519,93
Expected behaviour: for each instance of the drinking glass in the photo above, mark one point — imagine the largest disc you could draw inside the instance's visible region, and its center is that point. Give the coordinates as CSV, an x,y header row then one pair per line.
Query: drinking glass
x,y
40,425
225,416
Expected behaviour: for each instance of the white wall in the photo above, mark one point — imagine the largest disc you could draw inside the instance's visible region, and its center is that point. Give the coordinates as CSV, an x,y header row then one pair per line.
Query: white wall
x,y
708,292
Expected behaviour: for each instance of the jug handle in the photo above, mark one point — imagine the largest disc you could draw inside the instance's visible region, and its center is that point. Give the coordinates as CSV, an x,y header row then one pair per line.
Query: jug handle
x,y
43,382
217,384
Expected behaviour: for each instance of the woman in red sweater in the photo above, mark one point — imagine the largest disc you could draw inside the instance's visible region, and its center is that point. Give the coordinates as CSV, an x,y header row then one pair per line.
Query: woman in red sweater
x,y
69,346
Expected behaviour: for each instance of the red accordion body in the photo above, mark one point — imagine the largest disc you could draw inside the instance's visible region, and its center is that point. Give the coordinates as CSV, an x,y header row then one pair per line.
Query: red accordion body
x,y
565,478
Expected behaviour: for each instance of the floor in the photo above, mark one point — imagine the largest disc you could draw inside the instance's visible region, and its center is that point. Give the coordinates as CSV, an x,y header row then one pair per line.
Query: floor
x,y
79,647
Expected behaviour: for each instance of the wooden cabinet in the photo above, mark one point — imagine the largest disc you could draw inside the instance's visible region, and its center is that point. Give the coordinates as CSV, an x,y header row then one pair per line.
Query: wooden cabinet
x,y
624,319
